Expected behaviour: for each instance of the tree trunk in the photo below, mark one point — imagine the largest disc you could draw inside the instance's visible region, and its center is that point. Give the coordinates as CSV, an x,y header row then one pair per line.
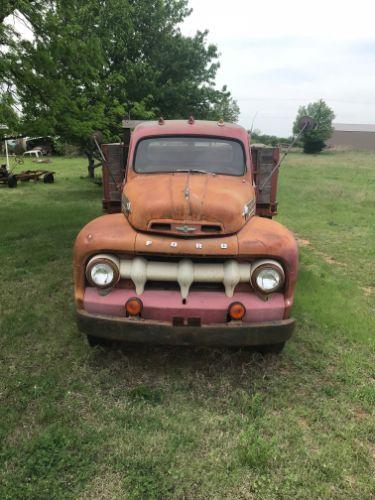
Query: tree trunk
x,y
90,167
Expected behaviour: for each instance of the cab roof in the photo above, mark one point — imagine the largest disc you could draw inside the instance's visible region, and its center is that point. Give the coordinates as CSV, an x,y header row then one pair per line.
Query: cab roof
x,y
190,127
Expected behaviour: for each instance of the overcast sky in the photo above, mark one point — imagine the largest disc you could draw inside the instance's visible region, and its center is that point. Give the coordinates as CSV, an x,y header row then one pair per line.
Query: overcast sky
x,y
277,55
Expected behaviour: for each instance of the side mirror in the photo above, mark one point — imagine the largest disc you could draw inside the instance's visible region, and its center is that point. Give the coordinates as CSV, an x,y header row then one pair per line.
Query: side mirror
x,y
306,124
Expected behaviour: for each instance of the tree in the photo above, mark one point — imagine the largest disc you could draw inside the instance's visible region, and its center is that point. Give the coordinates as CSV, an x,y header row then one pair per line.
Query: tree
x,y
224,107
92,62
258,137
55,87
28,13
314,140
8,116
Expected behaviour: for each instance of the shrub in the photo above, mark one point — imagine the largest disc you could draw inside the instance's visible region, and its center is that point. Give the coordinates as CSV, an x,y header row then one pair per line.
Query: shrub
x,y
314,140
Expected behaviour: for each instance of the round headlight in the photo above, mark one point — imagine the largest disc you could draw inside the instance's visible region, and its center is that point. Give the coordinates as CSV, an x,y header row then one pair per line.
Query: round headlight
x,y
102,272
268,277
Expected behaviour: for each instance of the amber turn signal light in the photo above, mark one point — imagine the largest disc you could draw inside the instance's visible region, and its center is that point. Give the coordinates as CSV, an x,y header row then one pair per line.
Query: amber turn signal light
x,y
236,311
134,307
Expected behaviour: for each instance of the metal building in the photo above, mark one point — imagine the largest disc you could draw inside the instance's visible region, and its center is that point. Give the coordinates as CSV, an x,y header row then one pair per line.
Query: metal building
x,y
356,136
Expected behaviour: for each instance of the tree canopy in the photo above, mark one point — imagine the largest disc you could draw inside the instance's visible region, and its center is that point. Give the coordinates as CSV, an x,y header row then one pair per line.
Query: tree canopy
x,y
323,115
91,62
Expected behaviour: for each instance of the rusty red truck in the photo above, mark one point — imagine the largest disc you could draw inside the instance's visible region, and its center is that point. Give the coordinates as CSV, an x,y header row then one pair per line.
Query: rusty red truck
x,y
187,252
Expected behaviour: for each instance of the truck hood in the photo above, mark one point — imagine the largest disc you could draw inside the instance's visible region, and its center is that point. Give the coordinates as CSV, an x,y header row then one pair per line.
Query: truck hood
x,y
187,204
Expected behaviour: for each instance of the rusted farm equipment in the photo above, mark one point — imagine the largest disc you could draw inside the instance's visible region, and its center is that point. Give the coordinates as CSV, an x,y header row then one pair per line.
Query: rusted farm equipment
x,y
186,252
11,179
7,178
36,175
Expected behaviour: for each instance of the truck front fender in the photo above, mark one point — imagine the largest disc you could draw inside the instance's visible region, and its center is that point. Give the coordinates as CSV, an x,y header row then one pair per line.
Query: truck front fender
x,y
265,238
108,233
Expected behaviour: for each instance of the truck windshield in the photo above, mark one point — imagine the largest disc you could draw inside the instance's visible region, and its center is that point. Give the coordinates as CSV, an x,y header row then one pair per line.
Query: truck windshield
x,y
187,153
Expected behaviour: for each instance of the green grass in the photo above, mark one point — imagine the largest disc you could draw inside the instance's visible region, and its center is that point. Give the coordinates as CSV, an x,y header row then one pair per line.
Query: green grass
x,y
146,422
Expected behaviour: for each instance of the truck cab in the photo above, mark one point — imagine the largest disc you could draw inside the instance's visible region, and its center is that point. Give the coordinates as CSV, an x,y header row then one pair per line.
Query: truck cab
x,y
188,252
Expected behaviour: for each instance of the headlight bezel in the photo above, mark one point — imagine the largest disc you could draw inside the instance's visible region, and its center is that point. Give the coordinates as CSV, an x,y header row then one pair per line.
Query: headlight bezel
x,y
260,266
111,262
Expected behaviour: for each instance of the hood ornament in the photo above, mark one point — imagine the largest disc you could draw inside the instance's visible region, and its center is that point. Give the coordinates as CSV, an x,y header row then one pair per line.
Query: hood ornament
x,y
186,229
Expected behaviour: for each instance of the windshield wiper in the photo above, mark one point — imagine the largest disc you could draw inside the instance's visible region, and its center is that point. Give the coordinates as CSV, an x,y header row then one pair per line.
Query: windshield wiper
x,y
192,170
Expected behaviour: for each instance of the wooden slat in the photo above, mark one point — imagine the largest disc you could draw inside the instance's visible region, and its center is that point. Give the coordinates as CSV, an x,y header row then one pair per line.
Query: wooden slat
x,y
264,160
113,175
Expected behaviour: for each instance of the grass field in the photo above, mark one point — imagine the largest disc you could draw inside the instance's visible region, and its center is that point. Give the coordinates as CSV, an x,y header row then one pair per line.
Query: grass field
x,y
147,422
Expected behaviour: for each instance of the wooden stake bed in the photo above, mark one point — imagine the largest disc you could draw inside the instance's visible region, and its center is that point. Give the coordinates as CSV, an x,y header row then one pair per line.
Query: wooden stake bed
x,y
113,176
264,160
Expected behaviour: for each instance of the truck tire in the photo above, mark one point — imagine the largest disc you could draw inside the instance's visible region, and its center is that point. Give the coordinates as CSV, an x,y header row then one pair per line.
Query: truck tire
x,y
12,181
271,348
48,178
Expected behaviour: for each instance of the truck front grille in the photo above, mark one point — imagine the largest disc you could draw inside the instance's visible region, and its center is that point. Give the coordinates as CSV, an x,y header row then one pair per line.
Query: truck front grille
x,y
185,273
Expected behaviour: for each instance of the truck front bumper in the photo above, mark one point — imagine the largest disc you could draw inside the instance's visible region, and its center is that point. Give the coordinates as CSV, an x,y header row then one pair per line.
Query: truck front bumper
x,y
152,332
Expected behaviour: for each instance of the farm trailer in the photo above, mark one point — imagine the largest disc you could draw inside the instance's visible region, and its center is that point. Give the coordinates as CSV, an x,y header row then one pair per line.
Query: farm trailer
x,y
11,179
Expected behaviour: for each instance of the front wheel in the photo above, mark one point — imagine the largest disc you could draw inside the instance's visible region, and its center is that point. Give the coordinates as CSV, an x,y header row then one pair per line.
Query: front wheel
x,y
271,348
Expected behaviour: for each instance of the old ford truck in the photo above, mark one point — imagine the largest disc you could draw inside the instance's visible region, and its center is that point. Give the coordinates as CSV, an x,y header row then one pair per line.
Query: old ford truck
x,y
188,252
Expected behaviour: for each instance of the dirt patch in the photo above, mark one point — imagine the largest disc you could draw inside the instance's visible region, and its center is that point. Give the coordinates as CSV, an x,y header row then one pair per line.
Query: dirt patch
x,y
361,414
330,260
303,243
368,290
372,450
104,487
303,423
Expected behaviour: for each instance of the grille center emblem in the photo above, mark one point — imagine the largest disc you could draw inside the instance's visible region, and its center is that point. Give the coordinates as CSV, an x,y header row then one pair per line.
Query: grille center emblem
x,y
186,229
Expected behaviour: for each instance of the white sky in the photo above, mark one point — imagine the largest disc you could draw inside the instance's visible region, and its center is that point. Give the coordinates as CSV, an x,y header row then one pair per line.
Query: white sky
x,y
278,55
